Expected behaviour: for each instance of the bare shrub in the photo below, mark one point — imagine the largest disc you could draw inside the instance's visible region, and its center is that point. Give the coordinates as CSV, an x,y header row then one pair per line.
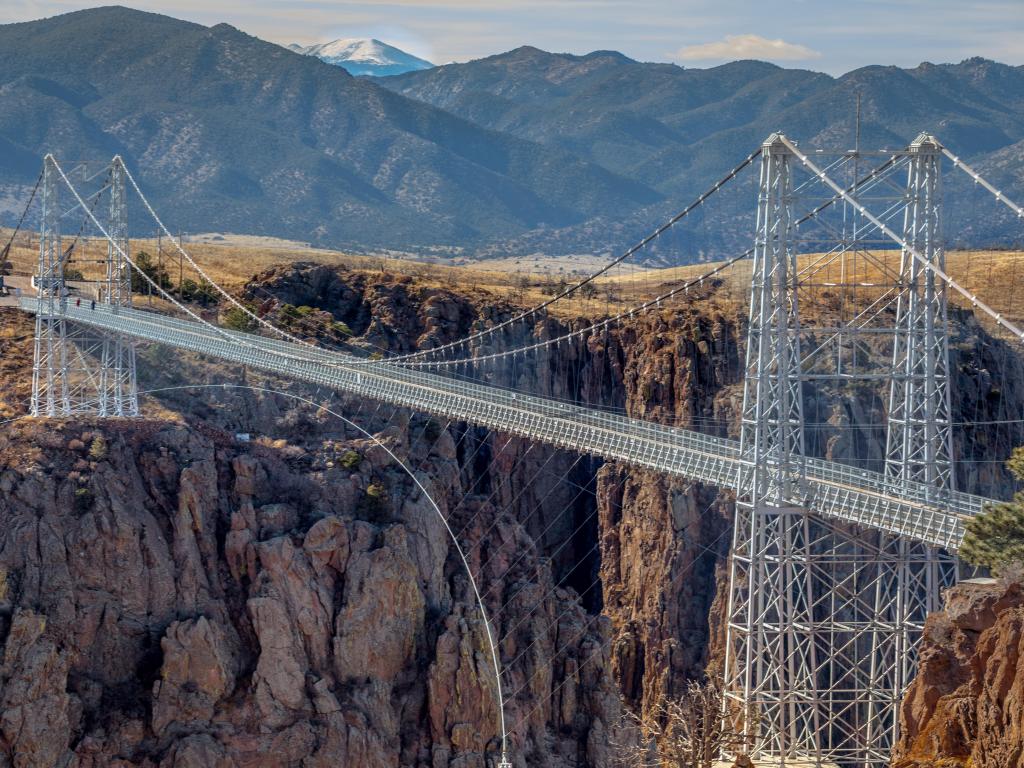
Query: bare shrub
x,y
692,731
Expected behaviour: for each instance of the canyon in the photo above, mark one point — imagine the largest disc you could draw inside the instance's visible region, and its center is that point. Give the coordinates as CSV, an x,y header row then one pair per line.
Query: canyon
x,y
174,595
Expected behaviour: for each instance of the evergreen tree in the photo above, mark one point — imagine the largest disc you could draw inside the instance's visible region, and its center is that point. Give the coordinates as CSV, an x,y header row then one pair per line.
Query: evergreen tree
x,y
995,538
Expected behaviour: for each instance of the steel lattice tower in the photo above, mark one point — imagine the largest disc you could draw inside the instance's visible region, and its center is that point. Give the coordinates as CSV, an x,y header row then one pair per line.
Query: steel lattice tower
x,y
824,617
118,390
771,659
80,370
919,444
50,395
920,439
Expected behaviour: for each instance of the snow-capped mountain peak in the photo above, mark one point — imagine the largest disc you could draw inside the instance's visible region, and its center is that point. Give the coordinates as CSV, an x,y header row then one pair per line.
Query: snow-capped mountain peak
x,y
364,56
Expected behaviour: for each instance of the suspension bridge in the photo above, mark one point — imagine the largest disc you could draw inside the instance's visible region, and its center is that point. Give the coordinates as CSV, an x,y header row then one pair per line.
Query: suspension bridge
x,y
833,567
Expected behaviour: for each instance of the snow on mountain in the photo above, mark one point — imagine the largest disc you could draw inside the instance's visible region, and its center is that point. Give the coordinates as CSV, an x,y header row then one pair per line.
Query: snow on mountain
x,y
364,56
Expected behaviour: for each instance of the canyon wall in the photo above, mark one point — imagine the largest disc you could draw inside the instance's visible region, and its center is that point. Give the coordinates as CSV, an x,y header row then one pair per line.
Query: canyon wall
x,y
964,709
171,596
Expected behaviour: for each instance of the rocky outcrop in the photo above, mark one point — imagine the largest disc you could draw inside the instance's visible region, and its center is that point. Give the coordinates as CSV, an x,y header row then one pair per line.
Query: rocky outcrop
x,y
171,598
679,367
661,611
682,367
964,707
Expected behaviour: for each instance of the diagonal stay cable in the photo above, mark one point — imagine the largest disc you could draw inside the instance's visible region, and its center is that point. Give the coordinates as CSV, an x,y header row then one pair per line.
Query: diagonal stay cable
x,y
914,253
580,561
468,494
498,485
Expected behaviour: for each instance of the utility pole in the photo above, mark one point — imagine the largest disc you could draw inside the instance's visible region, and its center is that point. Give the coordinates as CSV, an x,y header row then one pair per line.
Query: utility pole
x,y
181,265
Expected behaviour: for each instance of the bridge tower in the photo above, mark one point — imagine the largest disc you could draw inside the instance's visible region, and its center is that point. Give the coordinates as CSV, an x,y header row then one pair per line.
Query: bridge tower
x,y
772,661
824,616
919,444
76,369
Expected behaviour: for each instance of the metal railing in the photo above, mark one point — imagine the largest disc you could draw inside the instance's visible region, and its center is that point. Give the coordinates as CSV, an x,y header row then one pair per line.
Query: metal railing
x,y
834,490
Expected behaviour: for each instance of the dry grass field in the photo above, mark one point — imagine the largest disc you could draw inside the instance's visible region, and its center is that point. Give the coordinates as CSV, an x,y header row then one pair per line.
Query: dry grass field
x,y
996,276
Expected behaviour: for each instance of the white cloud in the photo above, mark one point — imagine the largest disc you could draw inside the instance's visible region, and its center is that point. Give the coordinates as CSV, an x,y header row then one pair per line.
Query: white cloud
x,y
746,47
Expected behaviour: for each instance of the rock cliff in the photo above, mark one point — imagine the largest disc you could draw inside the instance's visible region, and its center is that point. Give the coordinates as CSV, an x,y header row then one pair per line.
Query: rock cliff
x,y
964,708
172,597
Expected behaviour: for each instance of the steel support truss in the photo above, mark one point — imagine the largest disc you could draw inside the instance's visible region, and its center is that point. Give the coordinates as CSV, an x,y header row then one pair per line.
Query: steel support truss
x,y
824,617
919,444
79,369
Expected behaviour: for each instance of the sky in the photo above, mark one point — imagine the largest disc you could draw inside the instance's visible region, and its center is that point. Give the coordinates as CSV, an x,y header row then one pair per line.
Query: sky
x,y
831,36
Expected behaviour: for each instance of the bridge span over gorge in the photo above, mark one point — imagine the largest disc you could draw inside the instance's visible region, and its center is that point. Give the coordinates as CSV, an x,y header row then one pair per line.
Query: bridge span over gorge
x,y
833,567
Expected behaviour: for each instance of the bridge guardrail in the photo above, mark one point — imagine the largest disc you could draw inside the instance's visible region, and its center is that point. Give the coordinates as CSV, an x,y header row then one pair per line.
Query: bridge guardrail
x,y
834,490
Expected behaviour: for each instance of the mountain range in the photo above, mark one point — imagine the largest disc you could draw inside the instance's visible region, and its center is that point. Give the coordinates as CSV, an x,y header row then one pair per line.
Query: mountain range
x,y
522,152
677,130
229,133
364,56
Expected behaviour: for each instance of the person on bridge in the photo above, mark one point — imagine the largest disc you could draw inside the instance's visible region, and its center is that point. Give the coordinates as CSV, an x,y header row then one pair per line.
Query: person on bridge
x,y
93,306
78,301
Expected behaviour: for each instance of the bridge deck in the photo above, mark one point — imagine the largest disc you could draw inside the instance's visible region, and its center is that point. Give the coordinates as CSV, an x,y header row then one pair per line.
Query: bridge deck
x,y
834,490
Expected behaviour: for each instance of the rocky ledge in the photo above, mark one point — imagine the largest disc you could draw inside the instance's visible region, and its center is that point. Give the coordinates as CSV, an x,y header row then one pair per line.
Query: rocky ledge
x,y
964,709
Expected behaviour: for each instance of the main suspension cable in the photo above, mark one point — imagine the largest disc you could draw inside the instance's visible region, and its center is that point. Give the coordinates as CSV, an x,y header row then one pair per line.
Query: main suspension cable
x,y
184,254
872,176
925,263
590,278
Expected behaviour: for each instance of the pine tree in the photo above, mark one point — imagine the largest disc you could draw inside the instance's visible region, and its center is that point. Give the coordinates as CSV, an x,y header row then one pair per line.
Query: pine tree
x,y
995,538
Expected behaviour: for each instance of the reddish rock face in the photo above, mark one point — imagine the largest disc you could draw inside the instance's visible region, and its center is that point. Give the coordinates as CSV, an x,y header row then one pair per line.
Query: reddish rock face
x,y
202,603
152,616
965,706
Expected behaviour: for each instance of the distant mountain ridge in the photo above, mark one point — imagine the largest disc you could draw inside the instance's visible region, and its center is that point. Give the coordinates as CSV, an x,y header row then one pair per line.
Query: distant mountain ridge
x,y
638,118
229,133
514,154
675,130
364,56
